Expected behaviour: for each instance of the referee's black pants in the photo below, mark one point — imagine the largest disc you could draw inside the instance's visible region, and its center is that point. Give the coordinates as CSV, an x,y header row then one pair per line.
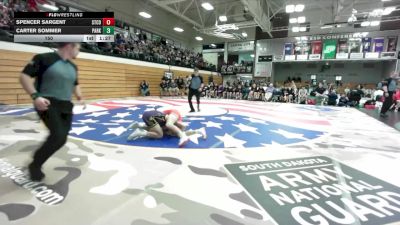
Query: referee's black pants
x,y
197,93
58,119
387,103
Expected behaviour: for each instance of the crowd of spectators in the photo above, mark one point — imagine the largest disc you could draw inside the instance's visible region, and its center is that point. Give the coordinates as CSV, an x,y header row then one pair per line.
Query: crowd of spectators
x,y
174,87
292,90
134,46
7,10
139,47
296,92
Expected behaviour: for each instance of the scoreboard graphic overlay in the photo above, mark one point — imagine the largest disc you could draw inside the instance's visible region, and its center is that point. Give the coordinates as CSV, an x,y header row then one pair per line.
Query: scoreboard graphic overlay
x,y
64,27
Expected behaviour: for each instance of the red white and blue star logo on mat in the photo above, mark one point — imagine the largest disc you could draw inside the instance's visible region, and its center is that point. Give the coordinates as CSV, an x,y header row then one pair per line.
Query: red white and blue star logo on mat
x,y
229,124
6,110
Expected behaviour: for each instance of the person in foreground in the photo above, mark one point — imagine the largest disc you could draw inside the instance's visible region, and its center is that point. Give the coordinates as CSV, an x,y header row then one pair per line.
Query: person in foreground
x,y
159,123
389,88
51,79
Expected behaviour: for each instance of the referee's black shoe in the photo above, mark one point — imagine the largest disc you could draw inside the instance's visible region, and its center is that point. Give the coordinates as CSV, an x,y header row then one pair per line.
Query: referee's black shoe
x,y
35,173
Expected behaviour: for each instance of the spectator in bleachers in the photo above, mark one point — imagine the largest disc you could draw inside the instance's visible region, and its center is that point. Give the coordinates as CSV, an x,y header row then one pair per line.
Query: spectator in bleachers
x,y
225,92
245,90
356,95
173,88
293,86
343,101
205,90
256,92
119,39
261,95
269,91
135,52
105,47
187,83
238,92
220,91
230,91
163,87
303,95
119,49
285,95
292,93
320,93
278,94
325,84
252,89
144,88
347,91
213,90
181,85
332,97
210,90
264,86
91,46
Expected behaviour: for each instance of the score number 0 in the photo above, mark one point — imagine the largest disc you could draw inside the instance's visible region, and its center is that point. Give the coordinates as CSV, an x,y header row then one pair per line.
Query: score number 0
x,y
108,21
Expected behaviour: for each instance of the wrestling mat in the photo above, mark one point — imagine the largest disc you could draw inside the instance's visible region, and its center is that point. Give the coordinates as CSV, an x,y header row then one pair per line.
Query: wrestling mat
x,y
262,163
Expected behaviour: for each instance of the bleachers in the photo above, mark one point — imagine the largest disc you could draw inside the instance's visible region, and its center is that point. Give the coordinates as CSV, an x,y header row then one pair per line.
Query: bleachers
x,y
125,47
99,79
339,89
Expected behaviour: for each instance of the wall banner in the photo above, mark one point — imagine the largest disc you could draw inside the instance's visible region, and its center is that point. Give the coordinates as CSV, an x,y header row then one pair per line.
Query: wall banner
x,y
241,46
329,49
378,44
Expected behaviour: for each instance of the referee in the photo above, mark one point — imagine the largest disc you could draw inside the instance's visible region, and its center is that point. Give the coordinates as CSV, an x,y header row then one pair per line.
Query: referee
x,y
195,88
51,79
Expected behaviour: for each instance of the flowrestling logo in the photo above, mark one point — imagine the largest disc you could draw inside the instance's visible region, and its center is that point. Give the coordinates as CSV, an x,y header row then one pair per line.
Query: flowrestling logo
x,y
41,191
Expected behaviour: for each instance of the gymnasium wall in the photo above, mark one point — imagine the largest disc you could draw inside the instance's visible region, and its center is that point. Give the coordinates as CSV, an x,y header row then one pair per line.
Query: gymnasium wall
x,y
101,77
211,57
276,46
354,72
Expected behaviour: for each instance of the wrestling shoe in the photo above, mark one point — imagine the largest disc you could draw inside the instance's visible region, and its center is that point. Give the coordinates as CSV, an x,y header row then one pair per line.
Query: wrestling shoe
x,y
183,140
133,125
203,132
139,133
